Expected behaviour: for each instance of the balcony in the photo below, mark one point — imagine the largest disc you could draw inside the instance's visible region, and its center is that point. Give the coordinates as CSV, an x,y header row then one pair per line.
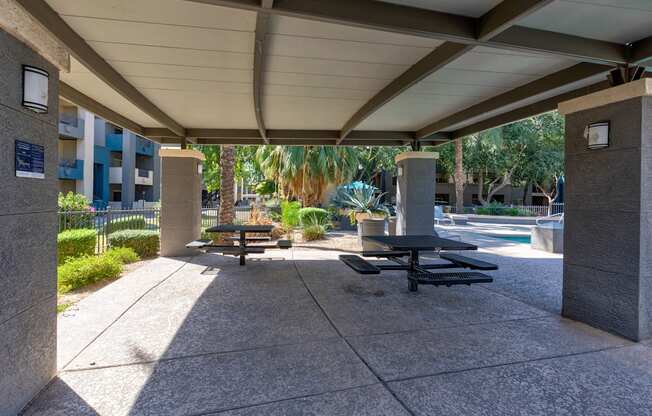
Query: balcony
x,y
141,177
71,128
71,169
144,147
114,142
144,177
115,175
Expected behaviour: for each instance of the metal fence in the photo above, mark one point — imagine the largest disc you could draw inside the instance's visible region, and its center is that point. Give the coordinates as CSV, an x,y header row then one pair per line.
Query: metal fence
x,y
104,222
510,210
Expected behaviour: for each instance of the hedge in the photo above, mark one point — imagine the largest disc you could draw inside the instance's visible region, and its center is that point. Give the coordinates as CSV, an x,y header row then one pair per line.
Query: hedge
x,y
313,216
144,242
290,213
75,243
82,271
125,255
126,223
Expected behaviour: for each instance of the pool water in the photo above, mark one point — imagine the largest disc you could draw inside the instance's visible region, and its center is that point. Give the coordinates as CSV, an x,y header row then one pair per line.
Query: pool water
x,y
524,239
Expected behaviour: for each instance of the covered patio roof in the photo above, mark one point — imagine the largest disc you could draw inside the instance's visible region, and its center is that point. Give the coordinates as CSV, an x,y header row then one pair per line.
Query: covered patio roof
x,y
348,72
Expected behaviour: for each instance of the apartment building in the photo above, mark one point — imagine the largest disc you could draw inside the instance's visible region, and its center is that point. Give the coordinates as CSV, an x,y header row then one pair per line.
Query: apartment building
x,y
111,166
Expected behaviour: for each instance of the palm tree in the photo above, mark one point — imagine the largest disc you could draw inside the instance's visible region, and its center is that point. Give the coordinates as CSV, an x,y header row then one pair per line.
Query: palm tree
x,y
227,180
304,172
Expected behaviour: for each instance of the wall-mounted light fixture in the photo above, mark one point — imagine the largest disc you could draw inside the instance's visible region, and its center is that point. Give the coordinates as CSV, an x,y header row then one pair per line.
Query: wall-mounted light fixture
x,y
35,89
597,135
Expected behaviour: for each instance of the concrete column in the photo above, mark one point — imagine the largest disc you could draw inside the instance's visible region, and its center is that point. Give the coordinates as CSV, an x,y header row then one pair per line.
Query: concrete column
x,y
128,169
608,212
28,208
415,194
180,200
86,152
156,196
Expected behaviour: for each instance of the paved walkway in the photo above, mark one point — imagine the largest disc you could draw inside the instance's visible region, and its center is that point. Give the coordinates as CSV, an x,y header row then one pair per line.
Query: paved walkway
x,y
305,335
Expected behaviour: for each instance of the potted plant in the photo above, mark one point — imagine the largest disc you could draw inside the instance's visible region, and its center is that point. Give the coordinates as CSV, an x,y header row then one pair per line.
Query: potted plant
x,y
366,209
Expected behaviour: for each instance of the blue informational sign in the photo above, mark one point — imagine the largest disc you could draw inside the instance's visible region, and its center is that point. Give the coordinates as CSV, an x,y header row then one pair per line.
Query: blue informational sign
x,y
30,160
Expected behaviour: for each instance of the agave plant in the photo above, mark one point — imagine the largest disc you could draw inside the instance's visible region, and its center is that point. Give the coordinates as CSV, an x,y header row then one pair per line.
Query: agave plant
x,y
362,201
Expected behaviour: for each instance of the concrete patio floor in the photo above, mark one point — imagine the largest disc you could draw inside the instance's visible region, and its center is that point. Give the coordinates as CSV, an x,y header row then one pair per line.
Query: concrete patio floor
x,y
306,335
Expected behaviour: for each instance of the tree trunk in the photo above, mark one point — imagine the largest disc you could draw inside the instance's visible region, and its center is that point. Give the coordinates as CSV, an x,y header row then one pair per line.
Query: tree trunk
x,y
459,177
481,188
227,180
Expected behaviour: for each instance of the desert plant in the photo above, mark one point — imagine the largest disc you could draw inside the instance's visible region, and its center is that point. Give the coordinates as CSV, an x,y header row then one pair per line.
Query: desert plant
x,y
125,255
362,201
75,243
314,232
310,216
290,213
144,242
82,271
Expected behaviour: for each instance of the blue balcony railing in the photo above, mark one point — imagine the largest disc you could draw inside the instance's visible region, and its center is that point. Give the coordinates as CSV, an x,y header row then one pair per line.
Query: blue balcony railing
x,y
114,142
71,169
144,147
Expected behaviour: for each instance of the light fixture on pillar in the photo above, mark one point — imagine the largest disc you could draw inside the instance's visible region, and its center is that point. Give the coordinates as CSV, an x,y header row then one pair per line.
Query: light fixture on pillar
x,y
35,89
597,135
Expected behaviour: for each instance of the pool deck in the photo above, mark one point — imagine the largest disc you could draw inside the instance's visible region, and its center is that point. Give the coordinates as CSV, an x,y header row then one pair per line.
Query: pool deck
x,y
296,332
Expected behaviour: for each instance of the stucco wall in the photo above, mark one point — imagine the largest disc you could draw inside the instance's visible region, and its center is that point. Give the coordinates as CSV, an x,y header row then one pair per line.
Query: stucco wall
x,y
608,216
27,236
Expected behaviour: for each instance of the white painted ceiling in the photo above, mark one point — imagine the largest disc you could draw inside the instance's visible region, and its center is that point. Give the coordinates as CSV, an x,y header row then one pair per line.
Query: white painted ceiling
x,y
195,61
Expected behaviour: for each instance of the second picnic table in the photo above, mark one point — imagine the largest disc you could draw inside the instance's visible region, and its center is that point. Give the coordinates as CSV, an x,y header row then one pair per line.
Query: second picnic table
x,y
410,246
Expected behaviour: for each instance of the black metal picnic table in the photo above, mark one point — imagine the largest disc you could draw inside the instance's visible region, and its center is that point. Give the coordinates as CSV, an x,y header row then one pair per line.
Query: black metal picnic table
x,y
243,248
412,245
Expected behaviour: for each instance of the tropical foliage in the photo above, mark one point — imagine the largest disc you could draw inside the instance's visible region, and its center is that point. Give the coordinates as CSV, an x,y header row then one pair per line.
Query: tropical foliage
x,y
305,172
361,201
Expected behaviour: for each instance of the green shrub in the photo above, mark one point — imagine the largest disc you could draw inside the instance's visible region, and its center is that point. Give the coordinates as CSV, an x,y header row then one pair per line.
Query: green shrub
x,y
82,271
126,223
143,242
290,213
312,216
73,202
75,243
314,232
125,255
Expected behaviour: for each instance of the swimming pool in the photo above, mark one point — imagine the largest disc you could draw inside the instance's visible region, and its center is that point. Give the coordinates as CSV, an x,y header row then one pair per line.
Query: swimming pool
x,y
523,239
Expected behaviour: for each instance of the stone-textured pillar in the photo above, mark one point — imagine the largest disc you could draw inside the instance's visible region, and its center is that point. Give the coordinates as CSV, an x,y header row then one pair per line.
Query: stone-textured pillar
x,y
28,235
180,200
415,194
608,212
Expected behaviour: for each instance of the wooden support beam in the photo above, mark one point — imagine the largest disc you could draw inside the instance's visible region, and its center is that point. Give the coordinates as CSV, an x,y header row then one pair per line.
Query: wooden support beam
x,y
435,60
414,21
641,52
549,82
505,15
85,54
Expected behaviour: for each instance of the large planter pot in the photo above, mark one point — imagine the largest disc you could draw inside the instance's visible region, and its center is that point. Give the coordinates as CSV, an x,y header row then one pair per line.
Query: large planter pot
x,y
369,227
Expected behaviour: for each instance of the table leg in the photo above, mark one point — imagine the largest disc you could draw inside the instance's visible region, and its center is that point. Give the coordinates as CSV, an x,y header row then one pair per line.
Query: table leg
x,y
413,286
243,247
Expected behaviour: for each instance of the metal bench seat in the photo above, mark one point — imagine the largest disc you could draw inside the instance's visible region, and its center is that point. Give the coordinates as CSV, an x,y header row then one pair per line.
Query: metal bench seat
x,y
359,264
385,254
449,278
284,244
468,262
250,238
